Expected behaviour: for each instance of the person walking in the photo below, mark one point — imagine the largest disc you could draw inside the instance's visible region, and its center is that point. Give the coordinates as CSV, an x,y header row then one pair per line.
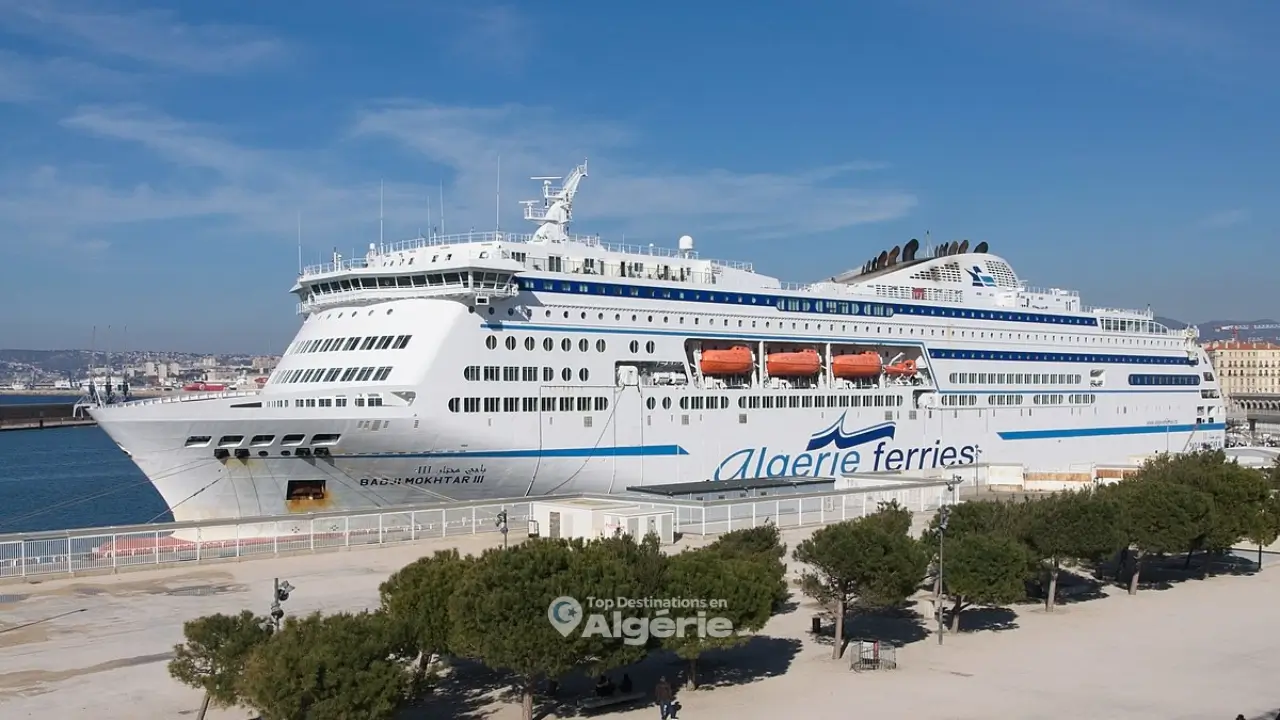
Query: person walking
x,y
662,693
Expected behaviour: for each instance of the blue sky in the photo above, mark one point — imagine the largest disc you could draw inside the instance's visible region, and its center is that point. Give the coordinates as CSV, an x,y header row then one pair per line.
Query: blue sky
x,y
155,160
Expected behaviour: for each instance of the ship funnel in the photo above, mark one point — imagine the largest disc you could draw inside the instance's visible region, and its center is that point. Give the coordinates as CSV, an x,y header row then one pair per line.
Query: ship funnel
x,y
981,248
953,247
883,260
909,250
893,255
964,246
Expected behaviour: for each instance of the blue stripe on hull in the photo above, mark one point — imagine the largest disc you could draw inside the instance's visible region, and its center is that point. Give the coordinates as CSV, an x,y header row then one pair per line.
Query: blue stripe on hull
x,y
599,452
1108,431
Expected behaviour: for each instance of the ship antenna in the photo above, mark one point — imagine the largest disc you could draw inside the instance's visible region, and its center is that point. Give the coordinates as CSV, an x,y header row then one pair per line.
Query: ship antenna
x,y
442,207
430,230
497,198
299,242
380,189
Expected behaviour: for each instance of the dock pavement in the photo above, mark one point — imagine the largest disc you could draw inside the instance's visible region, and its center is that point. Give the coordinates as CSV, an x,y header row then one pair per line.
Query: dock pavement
x,y
1200,649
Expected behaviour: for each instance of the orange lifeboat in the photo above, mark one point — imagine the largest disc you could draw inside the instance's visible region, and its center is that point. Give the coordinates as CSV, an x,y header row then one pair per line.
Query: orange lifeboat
x,y
737,360
794,364
906,368
856,365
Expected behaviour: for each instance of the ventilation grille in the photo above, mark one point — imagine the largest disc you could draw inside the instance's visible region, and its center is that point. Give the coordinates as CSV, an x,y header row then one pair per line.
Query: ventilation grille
x,y
950,272
1002,273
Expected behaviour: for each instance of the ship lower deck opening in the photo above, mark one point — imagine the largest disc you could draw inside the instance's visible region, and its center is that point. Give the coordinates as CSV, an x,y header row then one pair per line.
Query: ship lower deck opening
x,y
298,490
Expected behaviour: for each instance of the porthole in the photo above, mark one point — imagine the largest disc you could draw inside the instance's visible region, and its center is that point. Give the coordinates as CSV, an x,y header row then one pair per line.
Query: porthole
x,y
633,318
634,347
650,318
566,314
600,345
583,345
649,347
492,310
566,375
548,344
617,317
491,342
529,343
666,403
583,374
566,344
599,316
584,316
651,403
511,312
511,342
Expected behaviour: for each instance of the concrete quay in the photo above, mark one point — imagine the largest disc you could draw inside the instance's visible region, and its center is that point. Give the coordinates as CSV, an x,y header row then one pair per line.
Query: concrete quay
x,y
1201,649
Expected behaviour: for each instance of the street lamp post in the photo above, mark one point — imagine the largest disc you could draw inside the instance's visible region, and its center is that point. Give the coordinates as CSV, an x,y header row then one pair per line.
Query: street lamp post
x,y
501,522
279,594
944,513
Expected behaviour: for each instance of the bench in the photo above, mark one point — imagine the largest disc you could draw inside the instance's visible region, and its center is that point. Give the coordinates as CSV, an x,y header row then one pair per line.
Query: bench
x,y
595,704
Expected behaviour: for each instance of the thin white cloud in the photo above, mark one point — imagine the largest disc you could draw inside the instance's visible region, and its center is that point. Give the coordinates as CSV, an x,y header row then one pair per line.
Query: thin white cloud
x,y
534,141
154,38
498,36
25,80
255,192
1226,219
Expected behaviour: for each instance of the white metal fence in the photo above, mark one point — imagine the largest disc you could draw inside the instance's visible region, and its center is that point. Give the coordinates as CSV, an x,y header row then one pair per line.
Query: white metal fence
x,y
116,549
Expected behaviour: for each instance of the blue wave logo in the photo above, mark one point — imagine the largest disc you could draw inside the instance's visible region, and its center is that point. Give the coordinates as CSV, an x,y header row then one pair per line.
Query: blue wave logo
x,y
981,279
836,435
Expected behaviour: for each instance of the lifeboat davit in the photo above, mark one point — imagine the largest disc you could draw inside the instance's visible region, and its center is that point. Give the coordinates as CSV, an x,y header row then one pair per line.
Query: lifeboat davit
x,y
856,365
737,360
794,364
906,368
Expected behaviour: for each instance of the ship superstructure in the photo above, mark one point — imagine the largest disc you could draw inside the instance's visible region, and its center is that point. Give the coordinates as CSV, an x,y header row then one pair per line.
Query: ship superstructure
x,y
501,365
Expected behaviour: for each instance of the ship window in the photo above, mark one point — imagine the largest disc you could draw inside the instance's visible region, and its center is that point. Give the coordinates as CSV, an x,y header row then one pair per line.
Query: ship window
x,y
566,404
583,374
471,372
365,374
401,342
230,440
600,345
566,344
352,343
374,401
369,342
510,373
583,344
325,439
529,343
651,403
566,374
381,374
453,404
332,374
548,374
548,404
529,374
349,374
471,404
198,440
385,342
262,440
492,373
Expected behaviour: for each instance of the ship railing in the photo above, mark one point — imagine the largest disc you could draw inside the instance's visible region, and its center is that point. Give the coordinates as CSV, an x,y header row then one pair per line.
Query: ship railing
x,y
380,294
1121,313
365,261
110,550
184,396
1054,292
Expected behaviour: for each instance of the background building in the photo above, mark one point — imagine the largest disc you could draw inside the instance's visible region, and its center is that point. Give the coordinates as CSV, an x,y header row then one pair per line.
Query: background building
x,y
1245,368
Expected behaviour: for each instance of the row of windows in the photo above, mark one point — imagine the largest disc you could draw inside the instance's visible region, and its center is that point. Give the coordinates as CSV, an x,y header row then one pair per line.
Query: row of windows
x,y
1015,379
1074,399
791,304
755,402
548,344
526,373
528,404
959,400
476,279
352,374
1060,357
1164,379
324,402
291,440
372,342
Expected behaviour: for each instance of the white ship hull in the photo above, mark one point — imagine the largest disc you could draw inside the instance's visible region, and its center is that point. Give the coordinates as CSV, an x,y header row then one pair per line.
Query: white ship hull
x,y
550,382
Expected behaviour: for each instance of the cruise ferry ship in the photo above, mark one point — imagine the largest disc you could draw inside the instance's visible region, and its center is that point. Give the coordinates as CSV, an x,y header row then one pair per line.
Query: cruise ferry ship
x,y
496,365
